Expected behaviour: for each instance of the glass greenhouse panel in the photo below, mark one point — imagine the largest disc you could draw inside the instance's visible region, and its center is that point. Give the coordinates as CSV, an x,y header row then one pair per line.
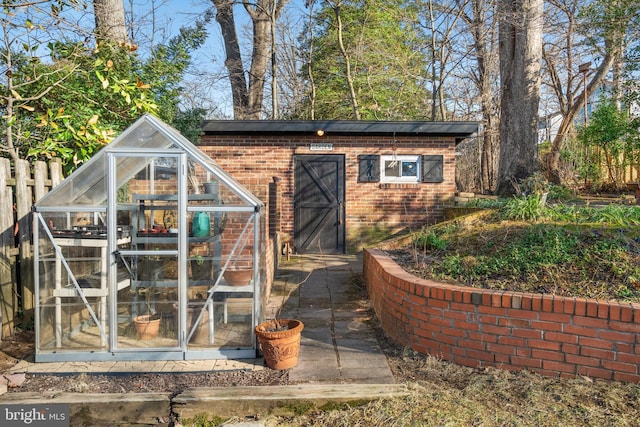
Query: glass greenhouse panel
x,y
72,296
147,310
149,251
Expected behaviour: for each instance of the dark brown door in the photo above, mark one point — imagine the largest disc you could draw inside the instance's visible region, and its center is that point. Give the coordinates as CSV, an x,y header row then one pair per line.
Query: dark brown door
x,y
319,203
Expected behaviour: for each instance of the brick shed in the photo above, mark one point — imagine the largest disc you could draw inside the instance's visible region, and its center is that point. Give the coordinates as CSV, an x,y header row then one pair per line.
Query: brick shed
x,y
333,186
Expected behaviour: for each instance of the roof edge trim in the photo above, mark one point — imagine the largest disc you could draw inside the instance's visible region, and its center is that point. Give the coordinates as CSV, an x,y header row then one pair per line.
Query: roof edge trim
x,y
348,127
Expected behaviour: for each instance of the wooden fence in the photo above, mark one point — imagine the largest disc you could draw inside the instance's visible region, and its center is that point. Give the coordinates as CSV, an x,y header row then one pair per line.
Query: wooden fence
x,y
21,184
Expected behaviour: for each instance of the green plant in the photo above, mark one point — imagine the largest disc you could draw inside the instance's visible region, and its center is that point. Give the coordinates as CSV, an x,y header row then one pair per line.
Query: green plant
x,y
535,184
73,104
202,420
611,138
524,208
624,216
429,240
559,192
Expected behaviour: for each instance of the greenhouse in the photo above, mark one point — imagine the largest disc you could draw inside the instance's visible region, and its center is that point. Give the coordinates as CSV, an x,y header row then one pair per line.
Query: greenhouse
x,y
149,251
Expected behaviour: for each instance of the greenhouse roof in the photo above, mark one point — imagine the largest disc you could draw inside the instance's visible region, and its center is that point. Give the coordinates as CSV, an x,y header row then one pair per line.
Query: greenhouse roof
x,y
147,137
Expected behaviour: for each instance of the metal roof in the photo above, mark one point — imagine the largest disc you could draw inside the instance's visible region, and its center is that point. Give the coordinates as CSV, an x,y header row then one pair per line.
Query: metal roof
x,y
342,127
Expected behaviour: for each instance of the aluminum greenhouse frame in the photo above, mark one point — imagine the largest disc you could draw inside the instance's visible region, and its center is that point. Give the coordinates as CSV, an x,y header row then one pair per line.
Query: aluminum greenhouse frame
x,y
149,232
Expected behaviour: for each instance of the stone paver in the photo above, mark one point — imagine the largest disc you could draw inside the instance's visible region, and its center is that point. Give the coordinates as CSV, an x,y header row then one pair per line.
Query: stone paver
x,y
337,345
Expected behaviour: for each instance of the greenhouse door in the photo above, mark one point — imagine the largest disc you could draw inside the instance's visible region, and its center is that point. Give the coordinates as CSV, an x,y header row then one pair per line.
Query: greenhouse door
x,y
319,182
145,195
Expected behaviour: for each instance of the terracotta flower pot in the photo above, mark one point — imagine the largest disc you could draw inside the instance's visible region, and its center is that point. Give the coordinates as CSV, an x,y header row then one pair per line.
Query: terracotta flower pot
x,y
201,333
238,276
147,326
280,342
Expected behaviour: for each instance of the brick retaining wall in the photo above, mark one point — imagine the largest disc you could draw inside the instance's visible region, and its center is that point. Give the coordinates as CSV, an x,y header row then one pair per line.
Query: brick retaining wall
x,y
474,327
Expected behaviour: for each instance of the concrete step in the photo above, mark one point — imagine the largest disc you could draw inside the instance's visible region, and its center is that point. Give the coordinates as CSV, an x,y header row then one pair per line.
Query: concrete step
x,y
101,409
223,402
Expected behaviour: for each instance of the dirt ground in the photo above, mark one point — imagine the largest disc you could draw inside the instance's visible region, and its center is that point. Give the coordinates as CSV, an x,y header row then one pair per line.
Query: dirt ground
x,y
21,346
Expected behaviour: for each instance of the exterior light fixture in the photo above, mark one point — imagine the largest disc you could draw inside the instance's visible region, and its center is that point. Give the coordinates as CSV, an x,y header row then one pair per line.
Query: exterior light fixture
x,y
320,132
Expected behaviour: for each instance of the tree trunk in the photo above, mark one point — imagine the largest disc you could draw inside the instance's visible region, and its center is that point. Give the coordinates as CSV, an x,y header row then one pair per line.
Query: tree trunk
x,y
259,60
312,83
347,61
248,98
486,59
520,61
109,18
233,60
274,65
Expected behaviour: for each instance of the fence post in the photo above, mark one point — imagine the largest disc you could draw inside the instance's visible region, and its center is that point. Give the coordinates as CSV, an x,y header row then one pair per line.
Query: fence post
x,y
8,297
39,180
56,172
24,200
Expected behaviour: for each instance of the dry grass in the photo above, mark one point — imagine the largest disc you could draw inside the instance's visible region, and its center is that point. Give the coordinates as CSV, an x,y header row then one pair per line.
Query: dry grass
x,y
444,394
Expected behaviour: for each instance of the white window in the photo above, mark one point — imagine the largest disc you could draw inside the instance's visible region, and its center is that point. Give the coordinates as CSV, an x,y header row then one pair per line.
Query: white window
x,y
403,168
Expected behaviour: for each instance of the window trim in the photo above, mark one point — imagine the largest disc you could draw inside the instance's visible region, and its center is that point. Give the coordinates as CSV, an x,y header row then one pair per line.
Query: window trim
x,y
412,158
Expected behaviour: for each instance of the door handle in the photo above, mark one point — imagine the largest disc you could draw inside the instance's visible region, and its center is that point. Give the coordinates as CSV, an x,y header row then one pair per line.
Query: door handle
x,y
339,212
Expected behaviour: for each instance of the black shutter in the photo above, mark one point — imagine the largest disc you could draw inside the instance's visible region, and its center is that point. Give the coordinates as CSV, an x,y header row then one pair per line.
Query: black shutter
x,y
432,168
369,169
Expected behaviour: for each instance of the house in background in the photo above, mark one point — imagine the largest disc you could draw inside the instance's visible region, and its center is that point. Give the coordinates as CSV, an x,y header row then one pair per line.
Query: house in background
x,y
334,186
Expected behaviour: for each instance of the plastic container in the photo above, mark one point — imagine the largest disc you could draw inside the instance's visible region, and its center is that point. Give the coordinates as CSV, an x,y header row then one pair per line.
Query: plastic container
x,y
200,226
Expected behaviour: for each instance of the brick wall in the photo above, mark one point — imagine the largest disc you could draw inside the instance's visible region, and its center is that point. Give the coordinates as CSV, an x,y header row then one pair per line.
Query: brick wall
x,y
475,327
257,160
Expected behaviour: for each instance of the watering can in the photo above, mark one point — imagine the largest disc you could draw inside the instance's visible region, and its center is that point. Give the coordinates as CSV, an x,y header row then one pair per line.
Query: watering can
x,y
200,225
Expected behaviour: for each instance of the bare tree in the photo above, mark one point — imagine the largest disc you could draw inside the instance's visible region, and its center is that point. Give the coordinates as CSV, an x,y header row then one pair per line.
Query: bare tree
x,y
290,61
520,36
480,20
441,21
608,27
248,96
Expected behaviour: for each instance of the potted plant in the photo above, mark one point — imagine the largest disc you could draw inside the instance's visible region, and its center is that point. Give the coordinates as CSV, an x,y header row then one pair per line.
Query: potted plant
x,y
238,276
279,339
201,268
148,324
280,342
